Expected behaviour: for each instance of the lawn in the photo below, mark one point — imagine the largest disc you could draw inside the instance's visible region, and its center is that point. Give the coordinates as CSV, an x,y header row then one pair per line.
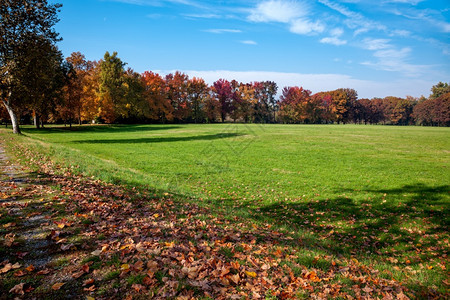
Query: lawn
x,y
375,194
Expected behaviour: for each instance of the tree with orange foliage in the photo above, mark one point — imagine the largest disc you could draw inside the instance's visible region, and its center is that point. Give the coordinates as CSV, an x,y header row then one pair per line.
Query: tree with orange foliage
x,y
159,106
176,91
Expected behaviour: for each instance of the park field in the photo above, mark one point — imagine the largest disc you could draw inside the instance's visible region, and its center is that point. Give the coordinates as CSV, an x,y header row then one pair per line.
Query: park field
x,y
377,195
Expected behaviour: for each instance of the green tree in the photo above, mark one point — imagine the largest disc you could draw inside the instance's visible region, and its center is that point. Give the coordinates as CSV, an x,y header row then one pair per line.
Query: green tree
x,y
22,22
112,88
439,90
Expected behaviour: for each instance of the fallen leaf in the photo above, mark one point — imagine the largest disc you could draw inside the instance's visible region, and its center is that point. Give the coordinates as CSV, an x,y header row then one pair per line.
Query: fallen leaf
x,y
96,252
20,273
88,281
16,266
43,272
17,289
57,286
30,268
90,289
137,287
66,247
152,266
250,274
85,268
125,267
77,274
6,268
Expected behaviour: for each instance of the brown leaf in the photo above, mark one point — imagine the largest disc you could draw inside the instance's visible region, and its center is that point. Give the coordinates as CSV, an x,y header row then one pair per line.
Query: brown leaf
x,y
148,280
9,239
138,266
85,268
137,287
57,286
17,289
77,274
20,273
6,268
16,265
88,281
235,278
43,272
152,266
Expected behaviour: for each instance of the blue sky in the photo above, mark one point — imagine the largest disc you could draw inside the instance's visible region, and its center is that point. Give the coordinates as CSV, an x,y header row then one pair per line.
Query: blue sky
x,y
380,48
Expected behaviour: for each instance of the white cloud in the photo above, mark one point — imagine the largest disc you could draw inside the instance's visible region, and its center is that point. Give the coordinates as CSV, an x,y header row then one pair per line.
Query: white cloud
x,y
220,31
337,32
294,13
249,42
202,16
301,26
333,40
412,2
400,32
394,60
354,20
278,11
375,44
321,82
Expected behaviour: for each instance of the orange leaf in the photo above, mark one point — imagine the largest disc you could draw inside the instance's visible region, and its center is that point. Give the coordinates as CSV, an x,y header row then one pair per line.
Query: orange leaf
x,y
30,268
90,289
57,286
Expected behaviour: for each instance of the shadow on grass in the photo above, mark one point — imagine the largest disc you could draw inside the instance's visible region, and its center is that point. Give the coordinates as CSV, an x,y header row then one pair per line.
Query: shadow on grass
x,y
101,128
343,226
208,137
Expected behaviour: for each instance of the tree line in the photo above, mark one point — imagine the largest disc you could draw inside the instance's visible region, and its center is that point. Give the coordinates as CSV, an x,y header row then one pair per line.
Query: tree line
x,y
38,84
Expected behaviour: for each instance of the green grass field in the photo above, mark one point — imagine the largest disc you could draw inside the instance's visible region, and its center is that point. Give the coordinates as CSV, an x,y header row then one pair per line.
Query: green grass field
x,y
379,194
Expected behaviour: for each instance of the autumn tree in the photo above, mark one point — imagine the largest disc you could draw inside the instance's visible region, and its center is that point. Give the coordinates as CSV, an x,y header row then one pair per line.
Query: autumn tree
x,y
159,106
293,104
22,23
90,108
223,91
212,108
246,106
76,91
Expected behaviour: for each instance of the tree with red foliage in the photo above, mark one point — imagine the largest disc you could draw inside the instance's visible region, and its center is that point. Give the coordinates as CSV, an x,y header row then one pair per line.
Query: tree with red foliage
x,y
223,91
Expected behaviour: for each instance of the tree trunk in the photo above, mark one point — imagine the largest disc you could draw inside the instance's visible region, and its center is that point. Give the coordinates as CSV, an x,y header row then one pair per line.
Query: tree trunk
x,y
36,120
12,115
